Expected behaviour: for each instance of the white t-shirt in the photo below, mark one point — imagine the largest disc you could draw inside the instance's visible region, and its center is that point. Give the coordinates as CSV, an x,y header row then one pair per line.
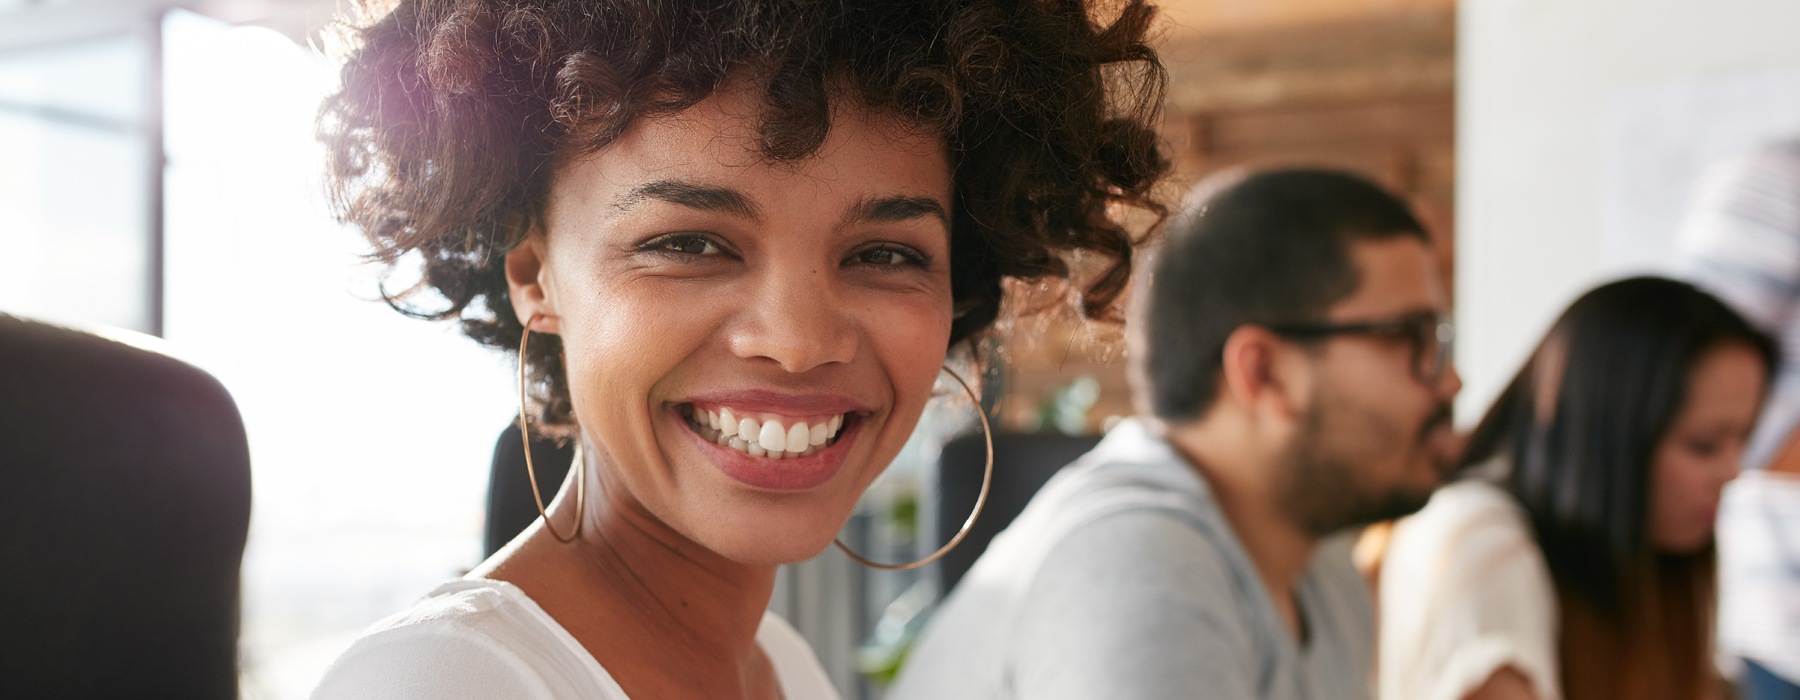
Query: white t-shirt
x,y
1465,592
478,638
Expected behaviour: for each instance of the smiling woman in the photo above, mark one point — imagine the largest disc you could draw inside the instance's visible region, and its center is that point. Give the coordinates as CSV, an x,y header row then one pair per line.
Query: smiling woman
x,y
686,273
742,239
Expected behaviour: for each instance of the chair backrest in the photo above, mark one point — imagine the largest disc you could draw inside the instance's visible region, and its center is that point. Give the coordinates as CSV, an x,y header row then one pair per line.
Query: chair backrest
x,y
124,505
510,506
1022,463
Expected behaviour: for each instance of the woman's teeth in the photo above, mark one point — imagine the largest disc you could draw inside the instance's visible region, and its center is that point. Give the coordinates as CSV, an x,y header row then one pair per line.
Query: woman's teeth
x,y
768,437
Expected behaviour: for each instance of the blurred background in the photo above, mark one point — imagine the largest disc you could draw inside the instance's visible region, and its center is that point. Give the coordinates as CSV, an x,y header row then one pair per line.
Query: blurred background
x,y
158,174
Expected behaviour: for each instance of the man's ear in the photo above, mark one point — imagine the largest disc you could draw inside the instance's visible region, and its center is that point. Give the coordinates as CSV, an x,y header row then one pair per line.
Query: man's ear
x,y
530,286
1260,372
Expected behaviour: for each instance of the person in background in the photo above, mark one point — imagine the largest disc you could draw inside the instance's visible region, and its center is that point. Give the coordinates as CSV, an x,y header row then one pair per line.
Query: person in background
x,y
732,243
1741,241
1575,561
1291,352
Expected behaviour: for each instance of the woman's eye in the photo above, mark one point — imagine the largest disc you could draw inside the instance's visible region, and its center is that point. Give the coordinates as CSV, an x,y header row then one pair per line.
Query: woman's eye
x,y
684,244
889,256
1704,448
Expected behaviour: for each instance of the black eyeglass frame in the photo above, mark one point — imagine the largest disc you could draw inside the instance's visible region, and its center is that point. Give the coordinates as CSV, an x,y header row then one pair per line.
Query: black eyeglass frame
x,y
1419,329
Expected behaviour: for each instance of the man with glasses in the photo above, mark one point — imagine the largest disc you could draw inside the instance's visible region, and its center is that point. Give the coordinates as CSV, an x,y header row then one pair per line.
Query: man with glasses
x,y
1291,356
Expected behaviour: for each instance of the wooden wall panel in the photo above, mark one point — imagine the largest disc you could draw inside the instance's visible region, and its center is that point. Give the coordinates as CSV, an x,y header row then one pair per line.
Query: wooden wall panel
x,y
1374,95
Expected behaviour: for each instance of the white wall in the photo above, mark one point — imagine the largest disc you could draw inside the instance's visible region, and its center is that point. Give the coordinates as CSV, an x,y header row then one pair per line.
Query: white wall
x,y
1562,105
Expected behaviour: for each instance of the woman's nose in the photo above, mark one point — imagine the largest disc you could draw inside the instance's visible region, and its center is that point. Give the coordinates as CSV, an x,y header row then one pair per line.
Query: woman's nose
x,y
796,319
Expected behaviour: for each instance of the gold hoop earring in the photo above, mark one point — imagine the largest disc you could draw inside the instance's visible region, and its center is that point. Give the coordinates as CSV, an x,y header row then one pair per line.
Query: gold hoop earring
x,y
987,480
531,470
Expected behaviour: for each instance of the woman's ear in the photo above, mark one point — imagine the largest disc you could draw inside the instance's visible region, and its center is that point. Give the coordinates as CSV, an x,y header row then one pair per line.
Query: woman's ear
x,y
530,286
1259,372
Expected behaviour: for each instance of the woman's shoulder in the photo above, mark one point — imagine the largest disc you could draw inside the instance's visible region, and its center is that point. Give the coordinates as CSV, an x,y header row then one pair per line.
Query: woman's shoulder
x,y
1464,592
471,638
1470,505
480,638
1469,531
472,603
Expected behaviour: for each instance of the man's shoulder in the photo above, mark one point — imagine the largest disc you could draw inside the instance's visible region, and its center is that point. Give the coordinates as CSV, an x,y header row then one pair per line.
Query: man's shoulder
x,y
1130,470
1155,555
1133,513
1340,604
1146,593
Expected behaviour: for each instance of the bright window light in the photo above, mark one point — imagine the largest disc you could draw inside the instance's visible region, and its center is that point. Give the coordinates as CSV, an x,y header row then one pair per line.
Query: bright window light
x,y
370,433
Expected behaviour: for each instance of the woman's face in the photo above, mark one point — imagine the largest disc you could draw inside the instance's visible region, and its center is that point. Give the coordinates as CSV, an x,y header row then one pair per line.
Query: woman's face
x,y
715,307
1703,447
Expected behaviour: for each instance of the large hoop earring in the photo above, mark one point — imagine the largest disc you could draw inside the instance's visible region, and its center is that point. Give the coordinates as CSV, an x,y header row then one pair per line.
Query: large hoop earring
x,y
580,460
987,480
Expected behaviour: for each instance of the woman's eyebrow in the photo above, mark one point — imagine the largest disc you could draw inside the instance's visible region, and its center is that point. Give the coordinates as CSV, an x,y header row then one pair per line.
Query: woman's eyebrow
x,y
691,195
895,209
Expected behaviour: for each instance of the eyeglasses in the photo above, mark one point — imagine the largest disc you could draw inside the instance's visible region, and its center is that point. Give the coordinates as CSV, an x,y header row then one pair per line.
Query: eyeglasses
x,y
1431,335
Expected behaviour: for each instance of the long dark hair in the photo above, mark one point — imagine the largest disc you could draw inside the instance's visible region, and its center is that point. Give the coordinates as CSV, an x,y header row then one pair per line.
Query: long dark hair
x,y
1579,426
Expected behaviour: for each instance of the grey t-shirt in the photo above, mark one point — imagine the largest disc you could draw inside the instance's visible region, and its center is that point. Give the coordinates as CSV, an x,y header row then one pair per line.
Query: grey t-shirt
x,y
1123,579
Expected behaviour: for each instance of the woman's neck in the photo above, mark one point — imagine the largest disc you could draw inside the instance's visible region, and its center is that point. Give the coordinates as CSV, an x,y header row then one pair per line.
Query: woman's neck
x,y
638,594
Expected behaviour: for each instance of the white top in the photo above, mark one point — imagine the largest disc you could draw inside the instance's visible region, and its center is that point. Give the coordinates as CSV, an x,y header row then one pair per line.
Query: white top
x,y
1465,592
481,639
1123,579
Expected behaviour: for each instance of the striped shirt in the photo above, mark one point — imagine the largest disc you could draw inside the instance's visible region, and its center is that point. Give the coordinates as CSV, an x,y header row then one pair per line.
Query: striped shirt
x,y
1741,241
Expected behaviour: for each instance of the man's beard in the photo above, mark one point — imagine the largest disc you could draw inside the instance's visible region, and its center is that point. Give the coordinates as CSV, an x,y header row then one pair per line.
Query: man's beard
x,y
1324,489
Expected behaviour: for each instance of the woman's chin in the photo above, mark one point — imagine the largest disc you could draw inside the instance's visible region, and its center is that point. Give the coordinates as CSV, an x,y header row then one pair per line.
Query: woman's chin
x,y
765,533
772,527
1692,541
771,547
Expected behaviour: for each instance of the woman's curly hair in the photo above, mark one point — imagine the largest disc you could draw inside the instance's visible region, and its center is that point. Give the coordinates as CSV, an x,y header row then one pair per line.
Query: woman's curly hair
x,y
454,116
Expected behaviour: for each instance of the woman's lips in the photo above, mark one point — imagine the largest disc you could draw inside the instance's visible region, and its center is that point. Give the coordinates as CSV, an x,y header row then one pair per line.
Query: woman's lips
x,y
789,472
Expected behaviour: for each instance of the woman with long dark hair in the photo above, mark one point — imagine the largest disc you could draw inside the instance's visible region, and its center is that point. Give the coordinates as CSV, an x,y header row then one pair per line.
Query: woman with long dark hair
x,y
1576,560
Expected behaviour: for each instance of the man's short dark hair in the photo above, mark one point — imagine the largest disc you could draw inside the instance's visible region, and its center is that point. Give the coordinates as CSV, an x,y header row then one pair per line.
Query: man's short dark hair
x,y
1272,248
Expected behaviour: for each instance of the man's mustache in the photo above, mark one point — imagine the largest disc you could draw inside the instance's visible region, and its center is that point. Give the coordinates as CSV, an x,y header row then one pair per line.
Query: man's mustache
x,y
1440,417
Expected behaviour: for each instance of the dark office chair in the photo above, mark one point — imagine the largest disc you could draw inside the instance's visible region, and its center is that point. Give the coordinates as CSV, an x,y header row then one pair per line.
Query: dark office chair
x,y
510,506
124,503
1022,463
